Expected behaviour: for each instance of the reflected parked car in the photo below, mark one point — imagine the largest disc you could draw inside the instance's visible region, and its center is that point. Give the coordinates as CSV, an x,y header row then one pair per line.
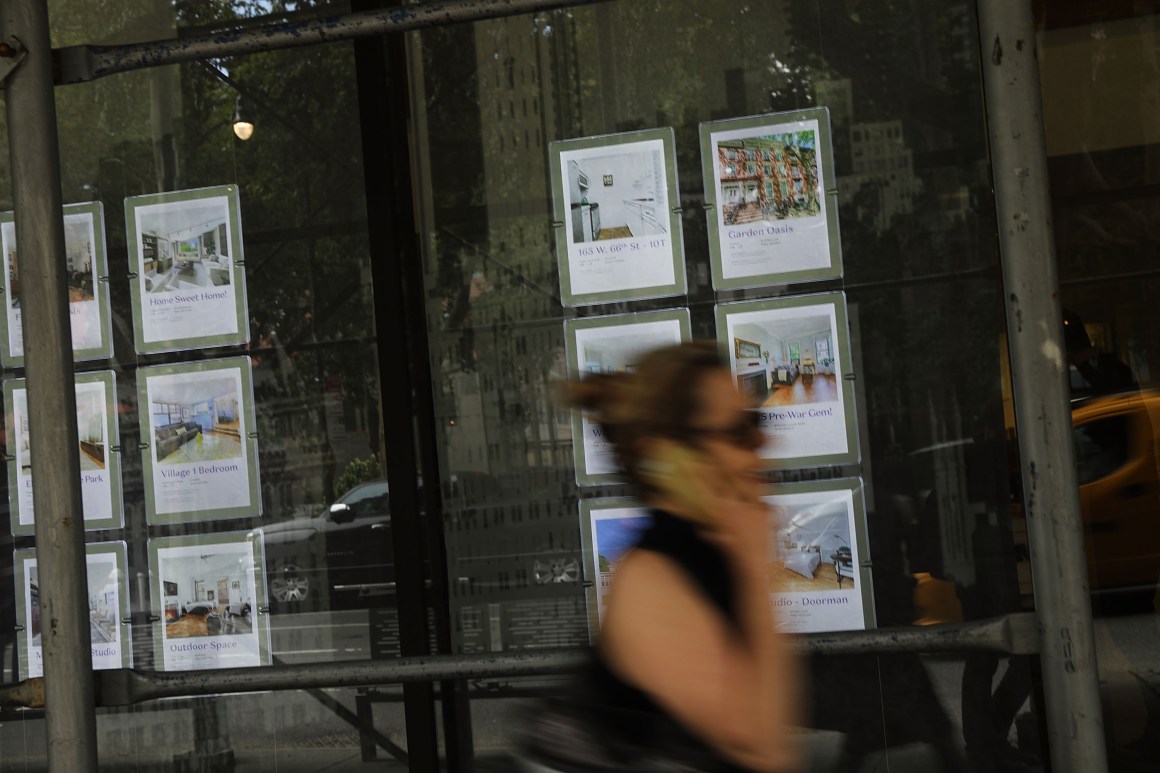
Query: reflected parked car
x,y
1116,439
340,558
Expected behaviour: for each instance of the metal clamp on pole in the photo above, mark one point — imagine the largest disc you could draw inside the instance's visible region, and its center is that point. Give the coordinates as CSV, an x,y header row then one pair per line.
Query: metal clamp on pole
x,y
12,53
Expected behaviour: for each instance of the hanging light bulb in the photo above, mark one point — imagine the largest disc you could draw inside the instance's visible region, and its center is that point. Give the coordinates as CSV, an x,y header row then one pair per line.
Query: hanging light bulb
x,y
243,126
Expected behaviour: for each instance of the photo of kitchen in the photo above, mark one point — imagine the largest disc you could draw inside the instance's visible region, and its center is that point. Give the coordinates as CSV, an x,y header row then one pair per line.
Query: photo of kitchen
x,y
617,196
811,547
78,250
185,245
206,593
104,599
195,419
786,361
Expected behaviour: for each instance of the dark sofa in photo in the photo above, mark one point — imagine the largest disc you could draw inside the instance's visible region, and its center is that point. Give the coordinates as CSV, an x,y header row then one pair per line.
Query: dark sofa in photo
x,y
173,436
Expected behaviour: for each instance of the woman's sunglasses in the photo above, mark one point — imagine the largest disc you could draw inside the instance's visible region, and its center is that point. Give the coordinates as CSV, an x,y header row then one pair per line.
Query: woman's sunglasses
x,y
746,433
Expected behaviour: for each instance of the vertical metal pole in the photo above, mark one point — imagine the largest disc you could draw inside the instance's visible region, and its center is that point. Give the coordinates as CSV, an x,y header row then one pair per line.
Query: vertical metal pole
x,y
1039,373
34,156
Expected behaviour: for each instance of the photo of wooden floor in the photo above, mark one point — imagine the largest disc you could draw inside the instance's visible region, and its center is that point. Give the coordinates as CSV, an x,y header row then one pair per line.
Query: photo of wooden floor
x,y
821,388
782,580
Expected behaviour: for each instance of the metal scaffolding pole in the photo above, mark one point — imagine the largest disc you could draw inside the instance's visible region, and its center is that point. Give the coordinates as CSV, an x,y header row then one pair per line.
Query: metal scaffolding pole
x,y
62,579
1039,379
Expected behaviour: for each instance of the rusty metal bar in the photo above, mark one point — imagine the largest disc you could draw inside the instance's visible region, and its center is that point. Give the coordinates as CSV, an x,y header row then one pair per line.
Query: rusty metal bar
x,y
1039,381
79,64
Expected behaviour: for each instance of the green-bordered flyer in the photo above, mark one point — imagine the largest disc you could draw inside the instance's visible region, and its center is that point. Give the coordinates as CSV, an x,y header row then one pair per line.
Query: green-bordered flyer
x,y
612,344
200,455
108,608
187,268
819,566
608,528
99,448
208,593
87,274
791,357
770,199
617,217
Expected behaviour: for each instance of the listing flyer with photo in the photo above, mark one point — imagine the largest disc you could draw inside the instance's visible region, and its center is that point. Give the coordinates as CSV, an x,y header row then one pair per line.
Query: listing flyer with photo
x,y
189,280
609,528
618,232
88,296
207,592
612,344
790,356
202,460
770,217
108,606
98,448
817,545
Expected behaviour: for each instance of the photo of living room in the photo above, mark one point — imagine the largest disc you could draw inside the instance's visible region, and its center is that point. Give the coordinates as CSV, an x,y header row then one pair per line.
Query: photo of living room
x,y
91,426
617,196
185,245
811,548
786,361
206,594
195,420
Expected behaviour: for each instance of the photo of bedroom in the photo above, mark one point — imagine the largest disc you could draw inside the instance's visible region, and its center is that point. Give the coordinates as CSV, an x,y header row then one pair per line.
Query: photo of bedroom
x,y
195,420
185,246
91,428
786,361
811,548
617,196
206,594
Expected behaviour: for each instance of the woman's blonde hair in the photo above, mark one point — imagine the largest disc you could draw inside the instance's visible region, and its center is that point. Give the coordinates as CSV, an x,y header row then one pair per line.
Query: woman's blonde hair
x,y
660,398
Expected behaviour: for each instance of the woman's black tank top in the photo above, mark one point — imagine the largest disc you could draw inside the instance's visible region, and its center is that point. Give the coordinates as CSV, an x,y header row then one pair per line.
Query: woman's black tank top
x,y
678,540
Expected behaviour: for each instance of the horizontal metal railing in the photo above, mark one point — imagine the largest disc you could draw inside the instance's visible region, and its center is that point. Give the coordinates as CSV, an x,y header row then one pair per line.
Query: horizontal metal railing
x,y
1012,634
79,64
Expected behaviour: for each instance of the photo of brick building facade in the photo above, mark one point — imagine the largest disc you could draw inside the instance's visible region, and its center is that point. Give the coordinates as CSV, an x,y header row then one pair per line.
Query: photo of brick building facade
x,y
769,178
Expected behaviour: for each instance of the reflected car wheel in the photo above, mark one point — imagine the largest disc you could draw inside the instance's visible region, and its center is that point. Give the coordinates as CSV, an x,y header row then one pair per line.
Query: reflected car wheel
x,y
289,585
556,570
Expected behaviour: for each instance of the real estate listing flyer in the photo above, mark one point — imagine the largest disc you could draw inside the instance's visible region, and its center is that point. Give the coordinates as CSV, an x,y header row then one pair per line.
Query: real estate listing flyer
x,y
791,357
87,273
817,551
202,459
617,217
189,278
99,449
207,593
608,528
772,212
612,344
108,607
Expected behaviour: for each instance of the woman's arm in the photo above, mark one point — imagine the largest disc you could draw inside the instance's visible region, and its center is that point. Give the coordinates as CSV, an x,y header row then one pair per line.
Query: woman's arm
x,y
736,689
